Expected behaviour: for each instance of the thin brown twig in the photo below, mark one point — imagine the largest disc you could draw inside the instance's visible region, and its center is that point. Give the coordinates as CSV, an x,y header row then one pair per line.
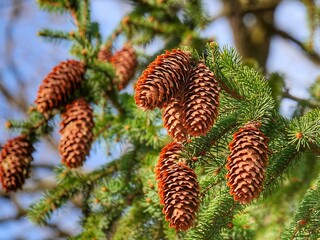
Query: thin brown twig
x,y
301,101
74,16
113,36
111,95
230,91
299,224
227,11
311,53
209,187
18,102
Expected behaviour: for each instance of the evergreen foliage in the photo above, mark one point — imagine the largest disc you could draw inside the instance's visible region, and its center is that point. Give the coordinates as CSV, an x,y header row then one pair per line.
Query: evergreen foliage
x,y
119,199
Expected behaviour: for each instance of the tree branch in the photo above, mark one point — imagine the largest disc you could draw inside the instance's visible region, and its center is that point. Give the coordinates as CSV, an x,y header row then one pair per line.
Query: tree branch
x,y
301,101
311,53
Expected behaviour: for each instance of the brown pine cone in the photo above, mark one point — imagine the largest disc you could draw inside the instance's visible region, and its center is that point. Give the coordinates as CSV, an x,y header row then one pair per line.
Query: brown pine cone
x,y
178,188
15,163
201,101
172,121
104,54
169,155
59,84
162,80
125,63
76,133
247,163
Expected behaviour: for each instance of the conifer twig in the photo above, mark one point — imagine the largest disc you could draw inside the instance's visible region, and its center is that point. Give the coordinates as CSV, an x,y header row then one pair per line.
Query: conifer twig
x,y
73,14
211,185
230,91
111,95
113,36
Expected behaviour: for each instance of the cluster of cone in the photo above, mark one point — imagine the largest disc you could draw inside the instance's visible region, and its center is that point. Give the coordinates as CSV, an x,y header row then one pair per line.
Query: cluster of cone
x,y
76,126
77,118
247,163
188,94
178,188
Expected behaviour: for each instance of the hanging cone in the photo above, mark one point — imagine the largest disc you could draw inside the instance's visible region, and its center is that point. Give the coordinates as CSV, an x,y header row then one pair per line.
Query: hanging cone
x,y
104,54
76,133
247,163
125,63
59,84
172,121
162,80
178,188
15,163
169,155
201,101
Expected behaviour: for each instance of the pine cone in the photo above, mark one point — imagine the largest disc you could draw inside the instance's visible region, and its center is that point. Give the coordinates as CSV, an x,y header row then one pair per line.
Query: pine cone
x,y
172,121
125,63
162,80
169,155
59,84
201,101
247,163
104,54
76,133
15,163
178,188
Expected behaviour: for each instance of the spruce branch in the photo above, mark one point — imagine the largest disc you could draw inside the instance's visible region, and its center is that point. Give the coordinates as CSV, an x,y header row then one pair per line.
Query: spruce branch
x,y
213,182
228,11
53,6
54,198
214,217
86,18
203,144
305,223
55,35
70,184
93,226
281,162
305,130
246,81
36,125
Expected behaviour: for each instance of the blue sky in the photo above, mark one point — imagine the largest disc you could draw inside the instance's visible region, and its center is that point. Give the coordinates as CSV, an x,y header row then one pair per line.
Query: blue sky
x,y
35,57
